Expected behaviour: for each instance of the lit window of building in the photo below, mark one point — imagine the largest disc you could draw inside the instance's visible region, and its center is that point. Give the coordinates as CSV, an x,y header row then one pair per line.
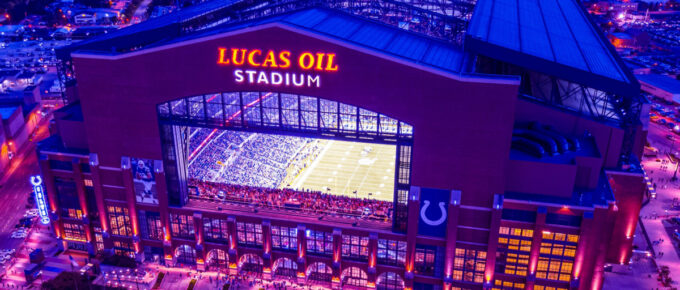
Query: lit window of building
x,y
391,252
507,285
284,238
215,230
429,260
74,232
119,219
556,258
150,225
98,239
249,234
468,265
355,247
319,242
182,226
514,248
124,249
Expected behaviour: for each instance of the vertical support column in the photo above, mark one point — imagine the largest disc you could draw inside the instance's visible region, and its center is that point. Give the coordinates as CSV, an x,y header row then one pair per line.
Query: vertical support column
x,y
583,244
496,213
600,232
411,234
451,236
99,197
372,258
302,254
51,191
535,251
130,196
233,257
337,257
267,249
198,232
162,191
82,202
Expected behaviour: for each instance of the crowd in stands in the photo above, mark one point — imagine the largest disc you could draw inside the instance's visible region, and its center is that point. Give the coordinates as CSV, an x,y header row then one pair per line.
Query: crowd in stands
x,y
253,159
307,201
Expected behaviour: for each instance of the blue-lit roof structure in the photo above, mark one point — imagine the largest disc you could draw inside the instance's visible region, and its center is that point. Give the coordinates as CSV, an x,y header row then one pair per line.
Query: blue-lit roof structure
x,y
554,37
358,31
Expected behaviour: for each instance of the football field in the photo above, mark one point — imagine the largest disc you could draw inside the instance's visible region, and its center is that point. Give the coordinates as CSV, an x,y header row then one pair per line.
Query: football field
x,y
344,167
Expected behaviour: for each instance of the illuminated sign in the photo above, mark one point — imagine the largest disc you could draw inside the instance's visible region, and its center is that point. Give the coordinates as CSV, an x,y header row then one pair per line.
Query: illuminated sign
x,y
40,200
255,66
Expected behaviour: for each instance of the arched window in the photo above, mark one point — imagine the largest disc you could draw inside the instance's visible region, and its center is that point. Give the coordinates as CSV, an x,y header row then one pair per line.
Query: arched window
x,y
319,273
185,254
389,281
217,258
285,267
251,264
354,276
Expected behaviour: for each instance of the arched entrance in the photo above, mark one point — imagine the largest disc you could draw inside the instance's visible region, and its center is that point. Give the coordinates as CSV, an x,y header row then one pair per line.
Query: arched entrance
x,y
319,273
389,281
354,277
251,264
284,114
186,255
285,268
217,259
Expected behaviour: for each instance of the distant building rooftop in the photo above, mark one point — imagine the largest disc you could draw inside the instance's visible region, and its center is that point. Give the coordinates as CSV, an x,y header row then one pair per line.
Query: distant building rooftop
x,y
663,82
6,112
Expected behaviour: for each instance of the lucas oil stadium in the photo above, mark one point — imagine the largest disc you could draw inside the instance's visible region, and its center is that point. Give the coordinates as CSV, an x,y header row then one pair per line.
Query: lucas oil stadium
x,y
353,144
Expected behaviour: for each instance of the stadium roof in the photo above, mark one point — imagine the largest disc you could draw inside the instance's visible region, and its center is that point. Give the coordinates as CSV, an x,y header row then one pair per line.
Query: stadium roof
x,y
358,31
662,82
352,29
554,37
147,31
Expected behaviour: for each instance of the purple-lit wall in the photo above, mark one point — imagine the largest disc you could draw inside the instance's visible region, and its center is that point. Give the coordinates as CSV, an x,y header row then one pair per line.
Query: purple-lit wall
x,y
461,129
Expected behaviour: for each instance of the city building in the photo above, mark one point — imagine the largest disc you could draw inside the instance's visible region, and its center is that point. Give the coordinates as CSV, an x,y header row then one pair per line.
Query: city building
x,y
515,156
660,86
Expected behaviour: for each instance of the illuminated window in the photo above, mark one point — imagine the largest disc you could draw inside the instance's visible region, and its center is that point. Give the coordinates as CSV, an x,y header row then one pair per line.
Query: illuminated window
x,y
556,257
74,232
469,265
354,276
215,230
88,182
124,249
541,287
514,247
98,239
67,197
284,238
119,218
249,234
429,260
355,247
391,252
506,285
182,226
319,242
150,225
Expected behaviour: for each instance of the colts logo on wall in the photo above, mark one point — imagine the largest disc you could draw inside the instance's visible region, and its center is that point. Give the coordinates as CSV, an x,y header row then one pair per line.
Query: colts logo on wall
x,y
433,211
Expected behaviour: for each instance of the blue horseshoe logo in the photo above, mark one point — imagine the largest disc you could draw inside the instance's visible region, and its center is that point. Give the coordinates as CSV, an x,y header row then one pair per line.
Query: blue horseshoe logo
x,y
442,218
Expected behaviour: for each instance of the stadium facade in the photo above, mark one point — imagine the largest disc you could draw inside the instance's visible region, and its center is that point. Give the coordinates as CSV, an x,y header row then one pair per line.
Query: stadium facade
x,y
517,132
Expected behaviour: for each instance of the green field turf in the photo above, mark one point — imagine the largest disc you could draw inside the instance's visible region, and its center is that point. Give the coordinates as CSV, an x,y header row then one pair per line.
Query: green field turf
x,y
343,168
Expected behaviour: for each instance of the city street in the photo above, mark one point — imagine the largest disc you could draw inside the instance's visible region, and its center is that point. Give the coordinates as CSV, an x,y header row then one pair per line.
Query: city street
x,y
15,189
660,171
